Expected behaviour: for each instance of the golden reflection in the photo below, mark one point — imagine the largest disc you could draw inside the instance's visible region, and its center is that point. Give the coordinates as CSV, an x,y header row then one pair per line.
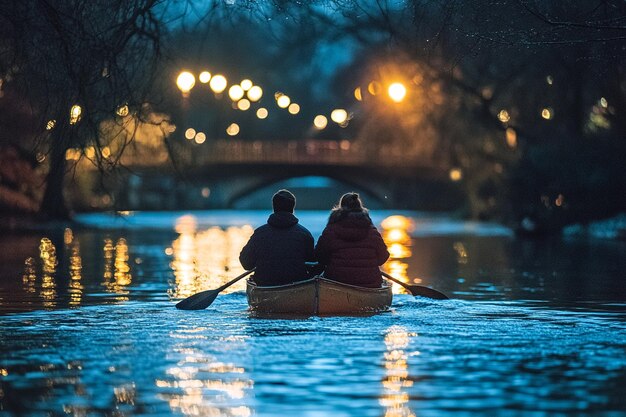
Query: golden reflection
x,y
68,236
396,234
395,398
125,394
461,252
202,385
117,274
76,267
30,275
48,255
206,259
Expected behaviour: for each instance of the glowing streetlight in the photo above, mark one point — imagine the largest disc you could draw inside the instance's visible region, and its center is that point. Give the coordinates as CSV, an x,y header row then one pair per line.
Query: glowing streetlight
x,y
243,104
235,92
200,138
397,92
339,116
204,77
320,122
185,82
294,108
255,93
283,101
218,83
262,113
190,133
233,129
456,174
547,113
246,84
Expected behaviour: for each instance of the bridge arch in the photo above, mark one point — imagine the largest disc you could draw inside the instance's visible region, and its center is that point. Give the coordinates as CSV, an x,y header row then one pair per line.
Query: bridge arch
x,y
336,185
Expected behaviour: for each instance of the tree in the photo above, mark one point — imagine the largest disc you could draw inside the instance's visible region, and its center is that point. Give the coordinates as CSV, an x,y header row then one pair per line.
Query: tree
x,y
77,63
521,78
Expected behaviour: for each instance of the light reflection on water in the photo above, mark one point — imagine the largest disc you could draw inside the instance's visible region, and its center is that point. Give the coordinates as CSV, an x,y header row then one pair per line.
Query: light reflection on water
x,y
206,258
536,328
395,397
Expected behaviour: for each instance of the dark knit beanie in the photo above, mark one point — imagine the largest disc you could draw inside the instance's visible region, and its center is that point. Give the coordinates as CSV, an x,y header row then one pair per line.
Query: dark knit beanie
x,y
283,200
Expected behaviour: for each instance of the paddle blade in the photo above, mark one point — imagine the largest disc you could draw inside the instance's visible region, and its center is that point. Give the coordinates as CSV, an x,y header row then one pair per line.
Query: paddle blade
x,y
426,292
198,301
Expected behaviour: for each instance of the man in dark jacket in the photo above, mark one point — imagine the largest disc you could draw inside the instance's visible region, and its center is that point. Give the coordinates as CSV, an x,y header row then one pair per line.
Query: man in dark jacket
x,y
279,249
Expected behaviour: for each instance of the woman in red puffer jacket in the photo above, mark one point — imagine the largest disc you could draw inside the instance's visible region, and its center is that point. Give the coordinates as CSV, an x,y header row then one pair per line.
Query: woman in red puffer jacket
x,y
350,248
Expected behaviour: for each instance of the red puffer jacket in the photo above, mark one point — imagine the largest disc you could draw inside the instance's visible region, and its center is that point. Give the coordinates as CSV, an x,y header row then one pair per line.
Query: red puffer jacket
x,y
351,249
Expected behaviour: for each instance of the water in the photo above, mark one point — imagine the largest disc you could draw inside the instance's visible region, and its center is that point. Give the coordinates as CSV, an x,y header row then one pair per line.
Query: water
x,y
88,327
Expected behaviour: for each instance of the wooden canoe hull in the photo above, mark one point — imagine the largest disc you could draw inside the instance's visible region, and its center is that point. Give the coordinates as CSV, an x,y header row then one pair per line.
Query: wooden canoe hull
x,y
317,296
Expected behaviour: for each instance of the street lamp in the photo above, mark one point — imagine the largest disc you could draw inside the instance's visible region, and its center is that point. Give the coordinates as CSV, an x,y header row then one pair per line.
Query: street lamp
x,y
185,82
339,116
397,92
218,83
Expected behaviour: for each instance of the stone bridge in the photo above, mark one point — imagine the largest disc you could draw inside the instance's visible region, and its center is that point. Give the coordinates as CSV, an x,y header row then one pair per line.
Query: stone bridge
x,y
218,175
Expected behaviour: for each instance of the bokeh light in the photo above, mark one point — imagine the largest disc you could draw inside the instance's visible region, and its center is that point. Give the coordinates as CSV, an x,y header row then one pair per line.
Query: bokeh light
x,y
320,121
504,116
190,133
233,129
547,113
262,113
397,92
456,174
243,104
339,116
283,101
255,93
246,84
294,108
200,138
235,92
185,81
218,83
204,77
75,113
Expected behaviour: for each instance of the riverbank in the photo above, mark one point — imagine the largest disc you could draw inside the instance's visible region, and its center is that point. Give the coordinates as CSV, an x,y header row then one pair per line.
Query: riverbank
x,y
424,224
613,228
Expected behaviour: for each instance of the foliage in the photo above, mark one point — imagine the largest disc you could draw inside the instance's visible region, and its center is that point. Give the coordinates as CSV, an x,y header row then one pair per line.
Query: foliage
x,y
76,63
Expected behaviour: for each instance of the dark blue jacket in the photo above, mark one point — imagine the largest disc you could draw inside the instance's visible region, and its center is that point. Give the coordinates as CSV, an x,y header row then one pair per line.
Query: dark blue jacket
x,y
278,250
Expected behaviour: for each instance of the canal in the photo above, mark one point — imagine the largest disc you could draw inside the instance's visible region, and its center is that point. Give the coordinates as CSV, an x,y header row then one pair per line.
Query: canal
x,y
88,325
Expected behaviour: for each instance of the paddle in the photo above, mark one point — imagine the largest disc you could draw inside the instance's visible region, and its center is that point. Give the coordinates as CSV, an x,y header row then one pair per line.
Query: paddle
x,y
417,289
204,299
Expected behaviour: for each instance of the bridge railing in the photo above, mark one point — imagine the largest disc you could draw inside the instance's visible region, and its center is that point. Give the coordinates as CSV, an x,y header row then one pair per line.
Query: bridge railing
x,y
322,152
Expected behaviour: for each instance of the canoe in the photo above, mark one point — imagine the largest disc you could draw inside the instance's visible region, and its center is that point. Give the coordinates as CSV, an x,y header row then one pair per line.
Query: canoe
x,y
317,296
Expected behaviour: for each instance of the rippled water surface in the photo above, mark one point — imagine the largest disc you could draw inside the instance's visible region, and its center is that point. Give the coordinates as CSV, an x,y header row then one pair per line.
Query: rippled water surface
x,y
88,326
